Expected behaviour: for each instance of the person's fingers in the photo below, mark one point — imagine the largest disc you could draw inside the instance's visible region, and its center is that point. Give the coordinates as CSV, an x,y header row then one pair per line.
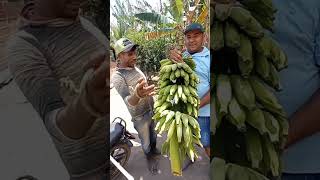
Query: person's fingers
x,y
100,75
141,85
140,80
95,60
149,87
147,91
152,93
177,56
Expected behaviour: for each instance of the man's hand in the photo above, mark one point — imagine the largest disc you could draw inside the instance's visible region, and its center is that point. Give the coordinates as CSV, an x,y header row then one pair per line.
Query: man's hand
x,y
142,90
97,86
305,121
175,55
77,118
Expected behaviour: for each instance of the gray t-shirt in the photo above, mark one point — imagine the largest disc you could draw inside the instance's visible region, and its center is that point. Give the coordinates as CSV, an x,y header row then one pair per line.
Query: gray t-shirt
x,y
40,56
125,81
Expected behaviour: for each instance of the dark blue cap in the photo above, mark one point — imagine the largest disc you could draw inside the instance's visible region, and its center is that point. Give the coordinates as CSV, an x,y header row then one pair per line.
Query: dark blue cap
x,y
193,26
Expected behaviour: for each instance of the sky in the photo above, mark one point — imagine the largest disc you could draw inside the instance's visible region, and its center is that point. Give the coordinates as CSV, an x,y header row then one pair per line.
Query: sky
x,y
154,3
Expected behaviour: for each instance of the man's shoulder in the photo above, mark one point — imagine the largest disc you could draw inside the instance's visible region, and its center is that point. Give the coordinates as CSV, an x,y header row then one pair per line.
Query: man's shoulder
x,y
21,38
95,31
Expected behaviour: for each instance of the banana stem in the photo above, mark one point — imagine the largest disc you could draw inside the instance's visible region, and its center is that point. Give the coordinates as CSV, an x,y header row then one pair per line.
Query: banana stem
x,y
175,156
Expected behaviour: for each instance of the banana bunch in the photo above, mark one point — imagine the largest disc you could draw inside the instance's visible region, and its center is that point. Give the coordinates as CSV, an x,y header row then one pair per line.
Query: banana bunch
x,y
247,119
176,111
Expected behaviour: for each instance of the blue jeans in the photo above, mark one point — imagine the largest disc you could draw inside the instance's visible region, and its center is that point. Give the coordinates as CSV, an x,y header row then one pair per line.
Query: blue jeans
x,y
204,123
145,127
301,177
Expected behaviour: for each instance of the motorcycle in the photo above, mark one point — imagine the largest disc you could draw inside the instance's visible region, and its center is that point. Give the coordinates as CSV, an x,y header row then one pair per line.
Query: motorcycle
x,y
120,147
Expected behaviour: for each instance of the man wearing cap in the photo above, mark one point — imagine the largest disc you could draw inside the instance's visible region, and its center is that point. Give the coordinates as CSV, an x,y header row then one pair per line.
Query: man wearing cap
x,y
131,84
59,62
194,40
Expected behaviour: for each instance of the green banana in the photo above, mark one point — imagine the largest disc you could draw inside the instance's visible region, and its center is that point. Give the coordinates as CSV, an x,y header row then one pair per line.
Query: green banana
x,y
231,35
245,67
190,99
179,132
178,117
222,11
216,36
224,93
170,98
165,148
213,113
170,115
173,77
174,67
193,91
173,89
284,125
186,90
245,49
185,119
254,148
246,21
186,135
180,91
165,61
164,83
177,73
273,127
160,123
255,118
262,67
263,46
243,92
218,169
189,108
264,96
182,73
236,172
176,98
271,157
184,98
237,115
171,131
274,78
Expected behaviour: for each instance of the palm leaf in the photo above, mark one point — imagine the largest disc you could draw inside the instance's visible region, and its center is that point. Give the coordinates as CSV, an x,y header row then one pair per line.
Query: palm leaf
x,y
154,18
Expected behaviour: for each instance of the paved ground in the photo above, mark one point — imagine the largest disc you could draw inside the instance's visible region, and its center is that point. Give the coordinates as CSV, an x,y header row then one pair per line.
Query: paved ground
x,y
137,165
26,147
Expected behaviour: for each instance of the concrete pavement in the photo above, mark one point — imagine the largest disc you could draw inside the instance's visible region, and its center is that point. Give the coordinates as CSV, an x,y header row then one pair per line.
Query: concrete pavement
x,y
26,147
137,165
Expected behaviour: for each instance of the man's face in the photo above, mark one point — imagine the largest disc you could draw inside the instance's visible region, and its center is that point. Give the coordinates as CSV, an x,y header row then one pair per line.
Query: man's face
x,y
128,59
62,8
194,41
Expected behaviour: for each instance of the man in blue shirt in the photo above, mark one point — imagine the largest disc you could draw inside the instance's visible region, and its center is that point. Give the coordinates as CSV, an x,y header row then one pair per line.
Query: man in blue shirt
x,y
194,40
297,30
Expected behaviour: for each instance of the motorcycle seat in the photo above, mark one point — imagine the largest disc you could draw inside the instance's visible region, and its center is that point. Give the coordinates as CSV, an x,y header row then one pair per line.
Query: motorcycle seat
x,y
116,131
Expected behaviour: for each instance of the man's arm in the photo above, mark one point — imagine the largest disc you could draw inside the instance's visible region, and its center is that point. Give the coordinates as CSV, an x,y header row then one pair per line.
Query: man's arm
x,y
141,90
37,82
120,85
205,100
306,121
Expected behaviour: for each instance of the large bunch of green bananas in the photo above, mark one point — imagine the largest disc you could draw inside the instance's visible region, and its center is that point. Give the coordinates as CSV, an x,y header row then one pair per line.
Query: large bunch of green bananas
x,y
249,125
176,111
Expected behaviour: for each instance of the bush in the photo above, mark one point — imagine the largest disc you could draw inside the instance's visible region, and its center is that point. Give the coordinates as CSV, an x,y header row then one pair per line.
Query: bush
x,y
150,52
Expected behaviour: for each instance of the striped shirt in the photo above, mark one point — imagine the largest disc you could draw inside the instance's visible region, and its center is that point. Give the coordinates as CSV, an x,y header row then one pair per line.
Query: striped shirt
x,y
39,56
125,81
